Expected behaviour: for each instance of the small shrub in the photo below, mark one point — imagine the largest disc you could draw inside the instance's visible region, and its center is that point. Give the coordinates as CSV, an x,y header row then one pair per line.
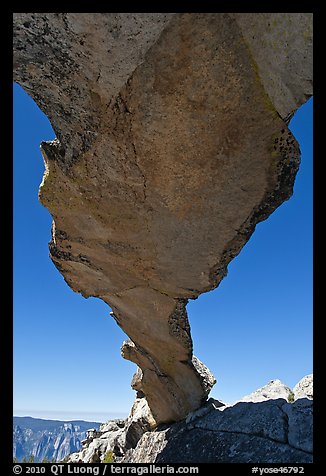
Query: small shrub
x,y
109,457
291,397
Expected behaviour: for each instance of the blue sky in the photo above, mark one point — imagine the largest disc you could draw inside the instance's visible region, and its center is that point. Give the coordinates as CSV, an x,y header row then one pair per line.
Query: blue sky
x,y
255,327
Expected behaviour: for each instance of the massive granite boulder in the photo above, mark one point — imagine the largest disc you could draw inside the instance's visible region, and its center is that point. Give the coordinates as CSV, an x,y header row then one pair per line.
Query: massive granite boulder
x,y
273,430
171,145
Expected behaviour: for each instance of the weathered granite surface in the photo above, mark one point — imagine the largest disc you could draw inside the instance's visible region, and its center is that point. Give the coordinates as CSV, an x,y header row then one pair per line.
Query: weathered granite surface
x,y
268,431
172,144
304,388
118,436
229,444
273,390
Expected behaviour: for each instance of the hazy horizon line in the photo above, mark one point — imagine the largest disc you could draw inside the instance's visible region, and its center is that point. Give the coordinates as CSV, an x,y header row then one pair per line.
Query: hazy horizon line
x,y
73,415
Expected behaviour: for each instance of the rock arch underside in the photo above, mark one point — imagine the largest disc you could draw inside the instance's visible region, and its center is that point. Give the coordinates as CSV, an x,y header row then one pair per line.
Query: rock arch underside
x,y
171,145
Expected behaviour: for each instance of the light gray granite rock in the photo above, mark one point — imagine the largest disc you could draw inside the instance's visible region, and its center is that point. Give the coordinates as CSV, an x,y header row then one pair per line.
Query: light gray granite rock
x,y
268,431
117,436
304,388
273,390
264,419
272,431
300,424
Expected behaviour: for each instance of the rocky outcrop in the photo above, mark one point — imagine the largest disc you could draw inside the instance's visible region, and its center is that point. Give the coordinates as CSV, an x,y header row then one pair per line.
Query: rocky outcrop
x,y
273,390
117,436
267,430
304,388
172,144
272,431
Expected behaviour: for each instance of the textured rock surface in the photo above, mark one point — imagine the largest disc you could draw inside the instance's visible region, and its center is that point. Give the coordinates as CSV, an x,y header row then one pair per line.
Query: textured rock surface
x,y
281,45
304,388
269,431
274,389
117,436
300,420
196,445
171,146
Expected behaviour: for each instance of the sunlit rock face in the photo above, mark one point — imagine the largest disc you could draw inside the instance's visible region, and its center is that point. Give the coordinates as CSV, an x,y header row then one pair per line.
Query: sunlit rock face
x,y
172,144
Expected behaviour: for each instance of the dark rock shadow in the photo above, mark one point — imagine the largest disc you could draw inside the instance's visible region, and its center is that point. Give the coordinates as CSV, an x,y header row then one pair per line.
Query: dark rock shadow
x,y
273,431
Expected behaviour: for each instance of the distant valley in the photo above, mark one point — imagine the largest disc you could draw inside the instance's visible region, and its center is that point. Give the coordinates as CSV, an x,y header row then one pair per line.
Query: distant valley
x,y
50,439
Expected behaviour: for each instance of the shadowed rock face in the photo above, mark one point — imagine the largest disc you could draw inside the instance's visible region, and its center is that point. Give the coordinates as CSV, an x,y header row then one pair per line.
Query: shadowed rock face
x,y
171,146
272,431
262,427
